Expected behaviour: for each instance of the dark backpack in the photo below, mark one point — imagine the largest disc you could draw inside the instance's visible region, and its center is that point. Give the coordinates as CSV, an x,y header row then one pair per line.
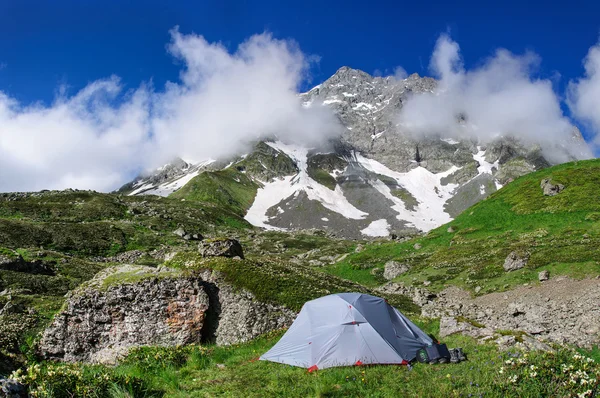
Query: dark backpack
x,y
433,353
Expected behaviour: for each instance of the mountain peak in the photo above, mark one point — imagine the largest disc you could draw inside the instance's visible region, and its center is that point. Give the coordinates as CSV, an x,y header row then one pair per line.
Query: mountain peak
x,y
346,71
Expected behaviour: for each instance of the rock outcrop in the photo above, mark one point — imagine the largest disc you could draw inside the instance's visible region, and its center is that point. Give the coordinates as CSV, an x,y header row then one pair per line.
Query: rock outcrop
x,y
560,310
129,306
221,248
123,307
13,261
515,261
549,188
419,296
393,268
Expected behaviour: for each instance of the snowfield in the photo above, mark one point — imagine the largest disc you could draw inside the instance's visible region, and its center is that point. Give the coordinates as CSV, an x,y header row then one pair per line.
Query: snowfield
x,y
274,192
424,185
377,228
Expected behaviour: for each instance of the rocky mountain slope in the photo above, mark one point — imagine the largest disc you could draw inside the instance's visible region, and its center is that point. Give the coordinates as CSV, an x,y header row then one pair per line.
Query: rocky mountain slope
x,y
375,179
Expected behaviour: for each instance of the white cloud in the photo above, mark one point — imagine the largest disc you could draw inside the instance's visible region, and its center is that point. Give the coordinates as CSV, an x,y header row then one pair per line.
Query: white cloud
x,y
229,99
400,73
78,142
100,137
499,97
584,94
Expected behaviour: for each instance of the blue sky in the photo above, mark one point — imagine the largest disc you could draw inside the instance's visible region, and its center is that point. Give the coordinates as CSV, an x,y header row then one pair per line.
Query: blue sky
x,y
84,99
48,43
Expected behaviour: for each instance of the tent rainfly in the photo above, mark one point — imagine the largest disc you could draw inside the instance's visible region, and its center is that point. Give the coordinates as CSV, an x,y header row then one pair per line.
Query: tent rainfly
x,y
348,329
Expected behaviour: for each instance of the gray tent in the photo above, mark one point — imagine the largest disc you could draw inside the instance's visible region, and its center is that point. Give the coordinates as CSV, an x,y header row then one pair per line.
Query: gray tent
x,y
348,329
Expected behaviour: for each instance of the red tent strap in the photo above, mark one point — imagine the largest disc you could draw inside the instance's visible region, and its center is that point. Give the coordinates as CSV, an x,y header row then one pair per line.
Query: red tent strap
x,y
358,363
312,368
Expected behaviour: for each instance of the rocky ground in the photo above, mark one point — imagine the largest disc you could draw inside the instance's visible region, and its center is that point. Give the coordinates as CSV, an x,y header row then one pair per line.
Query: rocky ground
x,y
559,310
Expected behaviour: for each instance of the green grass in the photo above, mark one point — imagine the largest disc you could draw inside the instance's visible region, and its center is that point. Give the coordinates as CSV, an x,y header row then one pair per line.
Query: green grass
x,y
90,223
227,188
560,234
322,177
234,371
278,282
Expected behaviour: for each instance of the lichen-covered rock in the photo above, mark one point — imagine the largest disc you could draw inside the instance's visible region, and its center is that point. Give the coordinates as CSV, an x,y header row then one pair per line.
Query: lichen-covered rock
x,y
549,188
129,306
418,295
124,307
12,389
237,316
514,261
450,325
221,248
393,269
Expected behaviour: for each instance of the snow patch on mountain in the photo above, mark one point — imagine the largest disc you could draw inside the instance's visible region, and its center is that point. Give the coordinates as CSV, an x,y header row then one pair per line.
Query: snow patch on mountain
x,y
377,228
424,185
146,187
272,193
484,166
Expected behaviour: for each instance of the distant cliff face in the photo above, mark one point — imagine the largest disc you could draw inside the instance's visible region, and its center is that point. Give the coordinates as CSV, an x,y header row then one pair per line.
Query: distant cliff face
x,y
376,179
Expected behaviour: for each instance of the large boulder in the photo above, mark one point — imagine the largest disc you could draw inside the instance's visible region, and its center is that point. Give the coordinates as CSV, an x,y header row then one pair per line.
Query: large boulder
x,y
393,269
515,261
221,248
124,307
128,306
549,188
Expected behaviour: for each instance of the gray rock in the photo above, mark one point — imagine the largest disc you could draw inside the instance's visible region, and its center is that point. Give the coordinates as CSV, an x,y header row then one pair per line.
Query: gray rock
x,y
532,344
449,325
514,261
108,315
544,275
419,296
417,246
560,310
506,342
551,189
182,233
12,389
221,248
241,317
393,268
179,232
128,306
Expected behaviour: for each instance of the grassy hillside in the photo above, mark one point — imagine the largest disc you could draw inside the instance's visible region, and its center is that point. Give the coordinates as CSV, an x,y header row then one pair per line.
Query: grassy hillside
x,y
50,243
235,187
558,233
91,223
229,188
